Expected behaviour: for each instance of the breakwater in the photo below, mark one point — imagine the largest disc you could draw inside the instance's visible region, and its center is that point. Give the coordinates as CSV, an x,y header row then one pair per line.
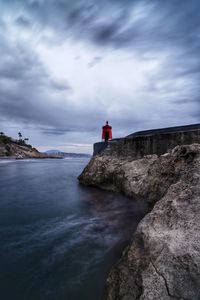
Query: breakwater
x,y
156,141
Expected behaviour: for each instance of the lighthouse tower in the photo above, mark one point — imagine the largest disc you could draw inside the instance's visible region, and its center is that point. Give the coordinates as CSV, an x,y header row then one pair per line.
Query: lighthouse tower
x,y
106,132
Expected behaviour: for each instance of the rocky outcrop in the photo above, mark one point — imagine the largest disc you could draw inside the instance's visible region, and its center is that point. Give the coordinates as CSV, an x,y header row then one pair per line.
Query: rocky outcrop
x,y
163,260
19,151
12,148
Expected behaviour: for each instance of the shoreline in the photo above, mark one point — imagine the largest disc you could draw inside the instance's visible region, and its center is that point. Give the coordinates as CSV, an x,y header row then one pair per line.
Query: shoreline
x,y
23,158
162,258
7,157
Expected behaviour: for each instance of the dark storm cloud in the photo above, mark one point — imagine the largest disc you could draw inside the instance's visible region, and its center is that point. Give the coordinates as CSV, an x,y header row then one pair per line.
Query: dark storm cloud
x,y
64,130
119,23
23,21
25,86
96,60
21,63
147,28
59,86
150,26
193,101
55,131
26,94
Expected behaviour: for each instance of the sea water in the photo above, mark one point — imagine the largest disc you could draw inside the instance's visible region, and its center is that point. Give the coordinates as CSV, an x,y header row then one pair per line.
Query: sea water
x,y
58,239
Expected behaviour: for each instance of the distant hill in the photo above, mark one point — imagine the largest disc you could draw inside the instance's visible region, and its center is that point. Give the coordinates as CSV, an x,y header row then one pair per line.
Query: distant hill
x,y
66,154
19,149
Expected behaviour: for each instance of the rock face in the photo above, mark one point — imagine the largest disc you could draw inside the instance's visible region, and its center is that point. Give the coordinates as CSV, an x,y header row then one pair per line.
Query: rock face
x,y
10,148
163,260
19,151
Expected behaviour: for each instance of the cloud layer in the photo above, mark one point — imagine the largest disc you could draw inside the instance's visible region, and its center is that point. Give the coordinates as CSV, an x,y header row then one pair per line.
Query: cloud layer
x,y
67,66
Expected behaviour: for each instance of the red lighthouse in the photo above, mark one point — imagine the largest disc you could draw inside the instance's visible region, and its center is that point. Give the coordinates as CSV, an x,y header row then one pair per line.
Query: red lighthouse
x,y
106,132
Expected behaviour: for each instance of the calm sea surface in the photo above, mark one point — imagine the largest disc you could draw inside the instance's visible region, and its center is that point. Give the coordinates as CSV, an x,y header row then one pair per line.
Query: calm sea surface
x,y
58,240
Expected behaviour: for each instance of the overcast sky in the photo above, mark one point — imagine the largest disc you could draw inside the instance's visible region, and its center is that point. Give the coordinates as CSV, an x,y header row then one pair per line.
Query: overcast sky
x,y
68,66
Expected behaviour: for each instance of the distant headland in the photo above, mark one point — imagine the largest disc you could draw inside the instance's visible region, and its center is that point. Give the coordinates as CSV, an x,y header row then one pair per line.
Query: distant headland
x,y
67,154
19,148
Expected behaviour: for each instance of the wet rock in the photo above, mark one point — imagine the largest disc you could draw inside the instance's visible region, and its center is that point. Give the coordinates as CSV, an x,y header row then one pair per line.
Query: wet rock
x,y
163,260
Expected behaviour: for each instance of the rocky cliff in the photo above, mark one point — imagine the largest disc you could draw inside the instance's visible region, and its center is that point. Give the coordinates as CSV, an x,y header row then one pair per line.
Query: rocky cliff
x,y
163,259
18,149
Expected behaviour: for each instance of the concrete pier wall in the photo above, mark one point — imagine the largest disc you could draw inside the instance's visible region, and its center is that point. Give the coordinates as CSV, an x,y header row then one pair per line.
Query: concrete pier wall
x,y
157,141
99,147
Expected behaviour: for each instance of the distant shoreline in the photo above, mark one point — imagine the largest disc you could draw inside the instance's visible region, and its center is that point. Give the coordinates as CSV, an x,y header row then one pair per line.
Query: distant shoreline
x,y
7,157
22,158
42,157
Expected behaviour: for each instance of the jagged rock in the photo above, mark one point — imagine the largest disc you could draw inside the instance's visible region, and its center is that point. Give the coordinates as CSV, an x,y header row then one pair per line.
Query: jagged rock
x,y
163,260
117,174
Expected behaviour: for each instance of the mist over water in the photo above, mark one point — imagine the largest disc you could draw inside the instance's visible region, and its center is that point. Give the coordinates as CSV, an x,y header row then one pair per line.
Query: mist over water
x,y
58,240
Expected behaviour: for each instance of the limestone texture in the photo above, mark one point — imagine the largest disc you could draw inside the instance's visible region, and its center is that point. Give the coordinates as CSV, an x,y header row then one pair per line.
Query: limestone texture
x,y
163,259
